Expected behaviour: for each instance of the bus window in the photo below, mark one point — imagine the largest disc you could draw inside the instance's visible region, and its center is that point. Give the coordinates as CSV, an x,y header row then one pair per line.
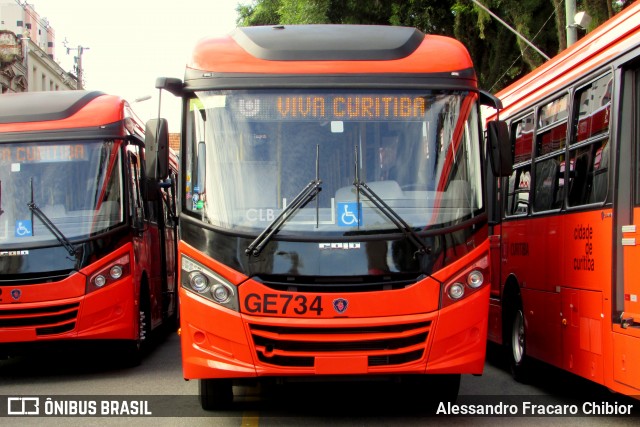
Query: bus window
x,y
550,145
588,180
520,180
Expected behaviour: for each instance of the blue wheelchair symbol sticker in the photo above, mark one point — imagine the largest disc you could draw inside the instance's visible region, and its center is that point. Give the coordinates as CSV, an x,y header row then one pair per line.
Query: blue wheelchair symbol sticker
x,y
23,228
349,214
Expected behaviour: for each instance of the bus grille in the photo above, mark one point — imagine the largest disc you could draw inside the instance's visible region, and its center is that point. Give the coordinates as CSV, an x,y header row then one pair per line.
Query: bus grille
x,y
46,320
290,346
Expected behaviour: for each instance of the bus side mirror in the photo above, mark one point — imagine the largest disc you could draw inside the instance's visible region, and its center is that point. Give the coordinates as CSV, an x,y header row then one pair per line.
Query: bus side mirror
x,y
156,141
499,148
171,85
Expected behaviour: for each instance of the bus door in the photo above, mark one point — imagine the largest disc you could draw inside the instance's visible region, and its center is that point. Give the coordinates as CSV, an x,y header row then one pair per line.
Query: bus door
x,y
626,315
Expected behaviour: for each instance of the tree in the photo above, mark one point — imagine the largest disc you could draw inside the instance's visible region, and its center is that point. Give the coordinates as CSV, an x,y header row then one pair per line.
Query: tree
x,y
499,56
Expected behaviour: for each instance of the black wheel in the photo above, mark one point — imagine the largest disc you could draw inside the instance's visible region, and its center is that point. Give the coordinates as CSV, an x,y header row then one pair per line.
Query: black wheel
x,y
517,343
215,394
445,387
428,391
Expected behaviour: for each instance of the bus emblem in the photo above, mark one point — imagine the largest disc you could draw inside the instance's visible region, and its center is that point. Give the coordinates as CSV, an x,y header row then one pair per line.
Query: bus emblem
x,y
340,305
15,294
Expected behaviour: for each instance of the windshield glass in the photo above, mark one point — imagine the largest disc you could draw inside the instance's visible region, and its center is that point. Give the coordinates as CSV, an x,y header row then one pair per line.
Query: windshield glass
x,y
77,185
250,153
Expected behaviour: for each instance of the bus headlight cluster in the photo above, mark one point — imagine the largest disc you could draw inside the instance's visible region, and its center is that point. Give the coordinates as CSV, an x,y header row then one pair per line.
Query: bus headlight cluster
x,y
463,285
113,272
202,281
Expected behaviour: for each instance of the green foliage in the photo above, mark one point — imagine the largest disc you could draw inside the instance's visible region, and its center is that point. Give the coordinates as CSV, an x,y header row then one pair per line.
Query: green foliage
x,y
304,12
499,55
258,12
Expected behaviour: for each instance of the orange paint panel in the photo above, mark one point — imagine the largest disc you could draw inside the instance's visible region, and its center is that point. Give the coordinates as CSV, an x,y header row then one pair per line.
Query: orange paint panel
x,y
257,299
543,325
17,335
582,333
459,342
626,369
631,259
341,365
224,55
71,287
109,313
103,110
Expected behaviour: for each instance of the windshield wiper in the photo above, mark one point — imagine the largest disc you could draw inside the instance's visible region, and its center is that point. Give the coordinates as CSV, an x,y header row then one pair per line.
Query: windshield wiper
x,y
304,197
50,225
396,219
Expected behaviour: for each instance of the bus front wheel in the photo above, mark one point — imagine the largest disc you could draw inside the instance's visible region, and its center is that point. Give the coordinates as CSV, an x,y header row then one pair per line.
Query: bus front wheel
x,y
518,360
215,394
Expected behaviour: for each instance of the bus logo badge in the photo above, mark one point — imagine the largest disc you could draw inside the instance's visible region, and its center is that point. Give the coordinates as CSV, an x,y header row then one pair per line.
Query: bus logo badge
x,y
340,305
16,294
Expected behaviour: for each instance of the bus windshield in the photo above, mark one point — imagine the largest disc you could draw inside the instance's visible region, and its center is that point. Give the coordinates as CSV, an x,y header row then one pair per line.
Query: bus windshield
x,y
249,154
76,184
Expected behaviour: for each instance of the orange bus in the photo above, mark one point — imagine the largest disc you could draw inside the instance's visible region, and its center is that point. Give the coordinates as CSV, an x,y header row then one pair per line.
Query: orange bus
x,y
564,289
87,244
333,220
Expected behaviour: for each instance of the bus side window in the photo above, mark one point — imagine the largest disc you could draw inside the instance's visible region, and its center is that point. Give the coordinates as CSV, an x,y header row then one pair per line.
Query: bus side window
x,y
550,145
519,187
600,174
520,180
547,177
589,179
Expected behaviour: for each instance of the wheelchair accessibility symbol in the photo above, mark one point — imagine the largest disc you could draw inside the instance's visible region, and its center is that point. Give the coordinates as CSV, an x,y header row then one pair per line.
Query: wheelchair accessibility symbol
x,y
23,228
348,214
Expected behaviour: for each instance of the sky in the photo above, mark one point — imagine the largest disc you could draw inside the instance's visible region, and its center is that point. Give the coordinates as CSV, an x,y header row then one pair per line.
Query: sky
x,y
132,42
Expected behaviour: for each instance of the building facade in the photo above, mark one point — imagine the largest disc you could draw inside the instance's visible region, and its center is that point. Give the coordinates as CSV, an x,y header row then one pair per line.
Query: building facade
x,y
27,52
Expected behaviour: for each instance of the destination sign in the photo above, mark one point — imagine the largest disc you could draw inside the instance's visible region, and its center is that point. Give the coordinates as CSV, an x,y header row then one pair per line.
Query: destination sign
x,y
331,107
42,153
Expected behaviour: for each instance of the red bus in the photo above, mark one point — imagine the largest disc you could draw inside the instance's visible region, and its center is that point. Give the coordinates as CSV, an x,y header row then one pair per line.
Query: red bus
x,y
333,220
87,244
564,289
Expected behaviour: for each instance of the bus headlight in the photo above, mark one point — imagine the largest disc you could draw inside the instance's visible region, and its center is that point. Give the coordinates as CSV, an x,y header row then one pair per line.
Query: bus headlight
x,y
456,291
475,279
196,278
115,272
221,294
99,281
198,281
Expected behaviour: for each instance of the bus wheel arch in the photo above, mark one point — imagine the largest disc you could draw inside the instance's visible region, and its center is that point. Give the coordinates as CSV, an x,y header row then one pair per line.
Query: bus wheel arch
x,y
135,348
514,331
144,313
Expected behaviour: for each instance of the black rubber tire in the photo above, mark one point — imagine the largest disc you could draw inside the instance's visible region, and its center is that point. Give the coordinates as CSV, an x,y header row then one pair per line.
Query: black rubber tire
x,y
519,362
215,394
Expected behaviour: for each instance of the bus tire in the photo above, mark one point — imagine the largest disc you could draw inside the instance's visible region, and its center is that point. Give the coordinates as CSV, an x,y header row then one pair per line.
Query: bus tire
x,y
446,387
517,343
430,390
215,394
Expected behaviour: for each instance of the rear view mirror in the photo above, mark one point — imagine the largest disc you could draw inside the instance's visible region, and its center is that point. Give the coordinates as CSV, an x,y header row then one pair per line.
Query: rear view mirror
x,y
156,143
499,148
